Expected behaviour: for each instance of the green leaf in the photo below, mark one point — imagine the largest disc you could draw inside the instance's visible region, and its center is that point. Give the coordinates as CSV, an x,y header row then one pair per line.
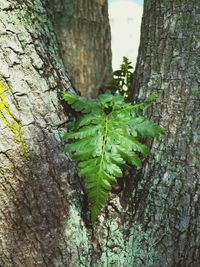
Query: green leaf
x,y
80,103
146,128
92,118
132,158
104,139
85,131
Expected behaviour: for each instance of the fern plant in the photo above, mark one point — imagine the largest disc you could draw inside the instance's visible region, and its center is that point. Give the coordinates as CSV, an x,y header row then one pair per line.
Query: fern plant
x,y
104,139
122,78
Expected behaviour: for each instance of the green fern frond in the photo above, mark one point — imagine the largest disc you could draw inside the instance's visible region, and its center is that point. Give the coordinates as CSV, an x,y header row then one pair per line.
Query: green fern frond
x,y
104,140
79,103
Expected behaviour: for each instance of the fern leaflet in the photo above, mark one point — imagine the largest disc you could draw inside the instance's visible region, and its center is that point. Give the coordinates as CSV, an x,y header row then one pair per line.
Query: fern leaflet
x,y
104,140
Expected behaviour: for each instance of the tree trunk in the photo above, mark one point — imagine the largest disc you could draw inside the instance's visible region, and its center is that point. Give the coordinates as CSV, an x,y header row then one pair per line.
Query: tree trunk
x,y
44,214
166,200
83,31
34,192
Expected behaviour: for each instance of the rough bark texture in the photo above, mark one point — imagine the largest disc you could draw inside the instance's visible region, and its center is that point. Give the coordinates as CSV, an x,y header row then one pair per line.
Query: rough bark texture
x,y
83,31
34,173
44,215
166,200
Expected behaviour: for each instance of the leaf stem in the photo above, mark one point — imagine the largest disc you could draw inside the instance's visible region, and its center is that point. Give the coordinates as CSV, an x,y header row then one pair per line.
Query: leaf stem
x,y
104,138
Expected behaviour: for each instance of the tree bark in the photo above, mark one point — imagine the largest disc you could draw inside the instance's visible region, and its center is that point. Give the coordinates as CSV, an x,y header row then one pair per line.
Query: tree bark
x,y
83,31
35,176
43,209
155,220
166,200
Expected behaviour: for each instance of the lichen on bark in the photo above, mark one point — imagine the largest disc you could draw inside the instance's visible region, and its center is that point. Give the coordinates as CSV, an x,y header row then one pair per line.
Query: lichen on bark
x,y
154,220
166,196
9,120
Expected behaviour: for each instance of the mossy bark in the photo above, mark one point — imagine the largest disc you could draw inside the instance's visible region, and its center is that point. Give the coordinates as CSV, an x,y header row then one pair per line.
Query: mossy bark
x,y
34,174
153,220
43,209
166,199
83,32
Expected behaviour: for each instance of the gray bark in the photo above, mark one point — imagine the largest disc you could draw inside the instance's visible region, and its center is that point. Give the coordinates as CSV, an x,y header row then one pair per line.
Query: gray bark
x,y
166,200
34,173
83,32
44,214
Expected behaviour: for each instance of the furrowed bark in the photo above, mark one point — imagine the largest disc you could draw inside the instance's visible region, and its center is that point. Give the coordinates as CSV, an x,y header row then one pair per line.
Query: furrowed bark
x,y
44,214
83,31
35,188
166,200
